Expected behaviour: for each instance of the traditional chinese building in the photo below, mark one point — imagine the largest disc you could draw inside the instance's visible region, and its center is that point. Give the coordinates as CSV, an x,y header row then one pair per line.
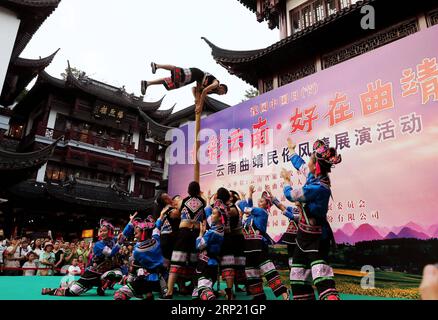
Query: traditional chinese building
x,y
19,21
74,150
318,34
109,160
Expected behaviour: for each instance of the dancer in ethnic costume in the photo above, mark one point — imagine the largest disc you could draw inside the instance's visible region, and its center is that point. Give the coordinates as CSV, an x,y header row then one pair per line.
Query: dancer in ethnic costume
x,y
206,83
289,237
222,204
184,255
309,263
170,218
258,263
209,243
103,270
148,260
238,241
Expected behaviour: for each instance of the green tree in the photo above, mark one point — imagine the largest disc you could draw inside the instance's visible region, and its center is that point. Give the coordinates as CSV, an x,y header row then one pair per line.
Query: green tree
x,y
250,93
75,71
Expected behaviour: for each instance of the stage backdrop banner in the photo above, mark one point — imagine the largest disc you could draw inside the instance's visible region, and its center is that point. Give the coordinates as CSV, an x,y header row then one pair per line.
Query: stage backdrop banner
x,y
378,110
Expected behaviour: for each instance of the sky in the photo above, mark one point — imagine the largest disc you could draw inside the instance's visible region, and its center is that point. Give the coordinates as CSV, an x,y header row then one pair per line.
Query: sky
x,y
114,41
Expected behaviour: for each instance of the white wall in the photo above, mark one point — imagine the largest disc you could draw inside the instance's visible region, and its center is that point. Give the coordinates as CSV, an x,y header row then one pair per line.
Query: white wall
x,y
166,170
131,183
50,124
41,173
4,123
9,24
136,139
53,115
422,22
52,118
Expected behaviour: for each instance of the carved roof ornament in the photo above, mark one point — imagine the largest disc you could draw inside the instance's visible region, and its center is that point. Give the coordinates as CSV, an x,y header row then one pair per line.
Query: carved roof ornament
x,y
270,12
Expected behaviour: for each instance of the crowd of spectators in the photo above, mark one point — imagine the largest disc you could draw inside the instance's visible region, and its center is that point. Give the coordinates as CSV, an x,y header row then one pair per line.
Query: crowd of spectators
x,y
44,257
21,256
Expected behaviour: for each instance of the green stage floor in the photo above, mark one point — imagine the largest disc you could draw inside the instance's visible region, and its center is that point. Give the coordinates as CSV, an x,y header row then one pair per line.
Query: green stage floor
x,y
29,288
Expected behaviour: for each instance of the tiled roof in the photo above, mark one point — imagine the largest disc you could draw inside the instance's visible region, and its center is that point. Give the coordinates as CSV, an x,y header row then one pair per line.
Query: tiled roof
x,y
110,93
104,92
22,71
19,161
250,4
39,64
161,114
32,15
75,193
17,167
225,56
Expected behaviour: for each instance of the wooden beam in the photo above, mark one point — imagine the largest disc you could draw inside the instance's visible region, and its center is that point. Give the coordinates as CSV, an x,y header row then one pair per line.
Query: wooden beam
x,y
197,144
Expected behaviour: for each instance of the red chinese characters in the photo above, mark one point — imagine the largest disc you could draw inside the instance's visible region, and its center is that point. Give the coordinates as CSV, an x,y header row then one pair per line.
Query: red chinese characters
x,y
378,98
339,110
260,134
408,83
254,110
214,148
284,100
302,120
427,73
235,142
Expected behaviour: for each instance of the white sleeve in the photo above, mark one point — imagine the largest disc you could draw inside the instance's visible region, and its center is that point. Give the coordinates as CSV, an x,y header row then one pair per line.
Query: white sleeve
x,y
107,251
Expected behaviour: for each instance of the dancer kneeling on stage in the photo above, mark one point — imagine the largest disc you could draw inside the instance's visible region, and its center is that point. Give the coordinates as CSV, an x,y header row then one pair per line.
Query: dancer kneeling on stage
x,y
258,263
309,263
148,260
103,270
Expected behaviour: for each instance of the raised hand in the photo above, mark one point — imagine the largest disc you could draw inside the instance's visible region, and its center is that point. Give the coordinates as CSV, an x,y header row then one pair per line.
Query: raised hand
x,y
132,217
198,108
429,283
203,196
285,174
251,189
163,213
120,238
268,189
202,227
291,145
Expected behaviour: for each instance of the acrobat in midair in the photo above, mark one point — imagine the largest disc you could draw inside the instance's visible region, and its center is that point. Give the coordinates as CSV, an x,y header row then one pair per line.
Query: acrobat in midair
x,y
206,83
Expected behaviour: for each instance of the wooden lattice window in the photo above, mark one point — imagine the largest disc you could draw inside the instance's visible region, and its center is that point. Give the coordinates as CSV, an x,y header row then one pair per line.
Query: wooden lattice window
x,y
315,10
268,85
433,18
370,43
297,73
